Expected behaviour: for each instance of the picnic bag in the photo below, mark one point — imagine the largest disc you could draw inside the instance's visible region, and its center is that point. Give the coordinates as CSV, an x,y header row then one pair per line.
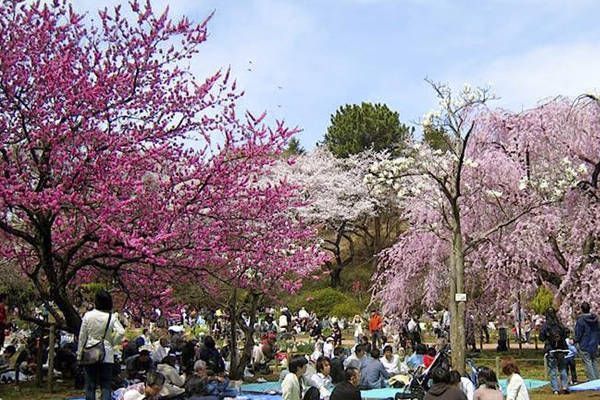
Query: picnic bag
x,y
95,354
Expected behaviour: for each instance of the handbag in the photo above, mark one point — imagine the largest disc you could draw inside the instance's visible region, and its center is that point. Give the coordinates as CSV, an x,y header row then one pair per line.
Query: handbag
x,y
95,354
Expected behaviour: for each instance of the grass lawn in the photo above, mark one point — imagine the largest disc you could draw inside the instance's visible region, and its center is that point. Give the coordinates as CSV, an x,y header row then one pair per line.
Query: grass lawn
x,y
28,391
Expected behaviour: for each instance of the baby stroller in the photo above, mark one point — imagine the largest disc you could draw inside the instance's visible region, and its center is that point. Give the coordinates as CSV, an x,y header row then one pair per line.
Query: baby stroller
x,y
419,383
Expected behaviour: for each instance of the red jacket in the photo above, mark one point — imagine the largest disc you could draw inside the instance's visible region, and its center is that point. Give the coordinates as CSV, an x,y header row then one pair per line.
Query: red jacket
x,y
375,323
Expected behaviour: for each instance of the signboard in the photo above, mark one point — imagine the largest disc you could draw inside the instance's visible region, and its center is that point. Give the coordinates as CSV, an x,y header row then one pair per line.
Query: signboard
x,y
460,297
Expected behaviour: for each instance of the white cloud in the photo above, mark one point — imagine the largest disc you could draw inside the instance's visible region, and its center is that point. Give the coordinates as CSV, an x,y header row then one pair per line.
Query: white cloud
x,y
525,79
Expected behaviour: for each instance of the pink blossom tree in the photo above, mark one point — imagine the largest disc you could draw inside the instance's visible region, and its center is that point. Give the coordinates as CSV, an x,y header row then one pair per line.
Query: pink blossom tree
x,y
459,203
97,177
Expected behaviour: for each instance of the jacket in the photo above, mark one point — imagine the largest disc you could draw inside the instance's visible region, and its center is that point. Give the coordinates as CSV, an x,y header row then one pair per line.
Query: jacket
x,y
290,387
443,391
375,323
92,329
587,332
345,391
373,375
516,389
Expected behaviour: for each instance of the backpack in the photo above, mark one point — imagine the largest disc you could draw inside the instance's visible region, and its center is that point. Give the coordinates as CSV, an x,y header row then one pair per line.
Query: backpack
x,y
556,337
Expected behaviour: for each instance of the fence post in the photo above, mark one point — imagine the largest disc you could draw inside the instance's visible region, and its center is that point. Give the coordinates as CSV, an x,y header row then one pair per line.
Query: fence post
x,y
545,367
497,366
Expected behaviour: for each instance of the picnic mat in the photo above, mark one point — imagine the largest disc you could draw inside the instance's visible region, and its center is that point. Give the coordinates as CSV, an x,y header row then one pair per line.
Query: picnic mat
x,y
263,391
275,387
591,385
529,383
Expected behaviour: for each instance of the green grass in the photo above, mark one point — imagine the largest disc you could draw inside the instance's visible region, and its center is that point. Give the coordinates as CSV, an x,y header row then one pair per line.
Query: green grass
x,y
28,391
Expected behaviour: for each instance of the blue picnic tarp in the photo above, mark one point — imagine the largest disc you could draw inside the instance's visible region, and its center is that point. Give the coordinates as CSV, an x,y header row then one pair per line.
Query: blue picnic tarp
x,y
591,385
529,383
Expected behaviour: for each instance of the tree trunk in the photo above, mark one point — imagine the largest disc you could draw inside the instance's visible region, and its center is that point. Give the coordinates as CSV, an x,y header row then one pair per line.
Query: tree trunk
x,y
457,309
237,372
336,279
72,319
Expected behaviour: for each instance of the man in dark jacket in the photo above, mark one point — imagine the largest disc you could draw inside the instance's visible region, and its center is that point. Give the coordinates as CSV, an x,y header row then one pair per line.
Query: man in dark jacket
x,y
441,388
348,390
337,366
587,336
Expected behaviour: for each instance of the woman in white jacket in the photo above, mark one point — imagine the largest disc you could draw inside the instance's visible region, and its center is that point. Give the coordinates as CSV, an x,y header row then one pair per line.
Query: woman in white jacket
x,y
516,389
93,326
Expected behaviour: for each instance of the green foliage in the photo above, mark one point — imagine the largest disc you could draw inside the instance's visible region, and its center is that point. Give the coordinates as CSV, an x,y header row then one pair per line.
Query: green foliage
x,y
355,128
324,302
348,309
294,148
542,300
436,139
18,289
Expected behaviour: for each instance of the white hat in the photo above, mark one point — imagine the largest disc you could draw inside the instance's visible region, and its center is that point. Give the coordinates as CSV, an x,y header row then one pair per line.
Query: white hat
x,y
329,339
146,347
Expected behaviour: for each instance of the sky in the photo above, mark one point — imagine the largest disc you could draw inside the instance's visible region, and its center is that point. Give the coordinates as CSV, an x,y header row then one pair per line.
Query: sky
x,y
302,60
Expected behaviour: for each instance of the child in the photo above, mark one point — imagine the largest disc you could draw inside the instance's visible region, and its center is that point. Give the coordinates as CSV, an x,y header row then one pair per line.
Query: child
x,y
570,359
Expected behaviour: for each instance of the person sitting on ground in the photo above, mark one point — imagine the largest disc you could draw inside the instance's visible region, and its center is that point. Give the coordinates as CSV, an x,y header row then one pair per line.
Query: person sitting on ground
x,y
211,356
516,389
429,356
416,358
348,390
217,386
337,366
322,379
441,388
390,361
173,381
259,360
195,385
366,344
291,387
6,358
160,349
357,359
138,365
463,383
150,390
488,385
373,374
328,347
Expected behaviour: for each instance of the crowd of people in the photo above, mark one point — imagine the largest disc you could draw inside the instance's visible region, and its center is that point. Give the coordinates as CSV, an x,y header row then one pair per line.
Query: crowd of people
x,y
167,363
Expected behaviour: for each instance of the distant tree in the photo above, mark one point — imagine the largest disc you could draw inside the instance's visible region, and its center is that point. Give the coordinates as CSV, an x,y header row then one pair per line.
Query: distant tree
x,y
355,128
294,148
436,138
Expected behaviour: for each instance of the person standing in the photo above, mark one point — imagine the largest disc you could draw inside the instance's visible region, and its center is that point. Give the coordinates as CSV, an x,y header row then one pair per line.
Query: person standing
x,y
587,336
376,328
100,324
554,335
357,322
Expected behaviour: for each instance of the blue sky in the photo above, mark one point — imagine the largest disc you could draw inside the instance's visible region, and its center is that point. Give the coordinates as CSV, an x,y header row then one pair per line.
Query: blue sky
x,y
307,58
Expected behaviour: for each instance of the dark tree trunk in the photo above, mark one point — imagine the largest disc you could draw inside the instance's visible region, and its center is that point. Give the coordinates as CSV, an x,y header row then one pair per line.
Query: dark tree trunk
x,y
336,278
240,361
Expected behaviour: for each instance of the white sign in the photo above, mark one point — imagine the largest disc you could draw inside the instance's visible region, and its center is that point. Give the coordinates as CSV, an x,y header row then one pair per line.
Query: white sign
x,y
460,297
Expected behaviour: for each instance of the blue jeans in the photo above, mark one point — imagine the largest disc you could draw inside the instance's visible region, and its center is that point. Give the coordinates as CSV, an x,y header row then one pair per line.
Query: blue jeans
x,y
98,375
590,362
557,365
